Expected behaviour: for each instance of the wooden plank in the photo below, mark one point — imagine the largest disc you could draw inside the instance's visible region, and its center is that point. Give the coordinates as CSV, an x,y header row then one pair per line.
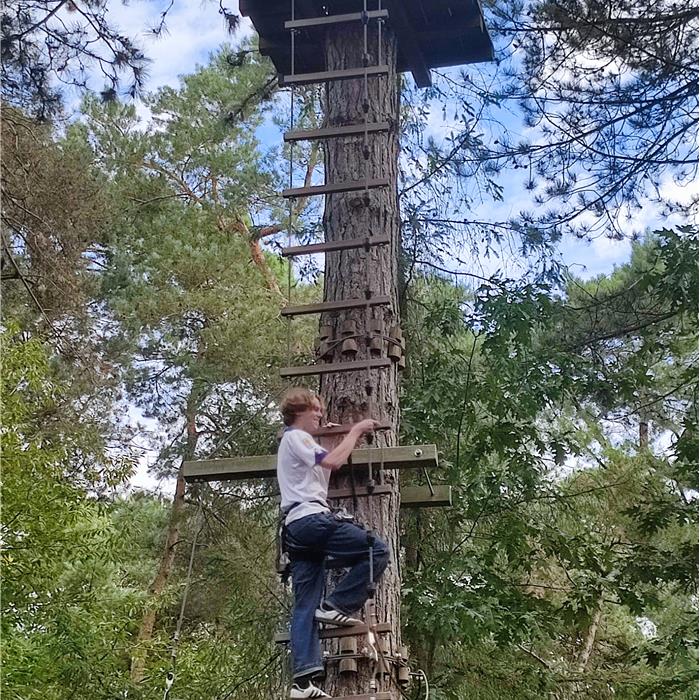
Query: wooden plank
x,y
422,497
344,429
408,44
411,496
360,491
336,187
329,368
312,22
337,632
333,132
341,305
326,76
330,246
265,466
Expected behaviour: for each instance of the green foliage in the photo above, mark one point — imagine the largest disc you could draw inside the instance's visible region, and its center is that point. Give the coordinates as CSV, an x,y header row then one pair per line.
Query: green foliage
x,y
69,596
566,527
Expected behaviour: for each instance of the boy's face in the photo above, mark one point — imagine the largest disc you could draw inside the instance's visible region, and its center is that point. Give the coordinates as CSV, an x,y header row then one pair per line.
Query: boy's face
x,y
310,420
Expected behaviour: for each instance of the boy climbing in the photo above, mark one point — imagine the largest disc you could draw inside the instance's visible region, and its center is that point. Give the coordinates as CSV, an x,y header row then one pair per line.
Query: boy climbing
x,y
313,532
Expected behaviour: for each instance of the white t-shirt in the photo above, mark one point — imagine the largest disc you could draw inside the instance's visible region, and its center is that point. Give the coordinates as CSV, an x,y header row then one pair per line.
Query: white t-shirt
x,y
301,477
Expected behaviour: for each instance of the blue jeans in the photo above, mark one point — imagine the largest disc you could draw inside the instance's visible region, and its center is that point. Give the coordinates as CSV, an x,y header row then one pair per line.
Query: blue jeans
x,y
309,540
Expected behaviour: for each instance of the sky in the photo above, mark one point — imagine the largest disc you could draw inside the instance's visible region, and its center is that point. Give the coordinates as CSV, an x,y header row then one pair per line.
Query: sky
x,y
196,29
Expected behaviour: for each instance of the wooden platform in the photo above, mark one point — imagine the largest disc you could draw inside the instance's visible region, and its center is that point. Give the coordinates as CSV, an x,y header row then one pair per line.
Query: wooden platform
x,y
431,34
265,466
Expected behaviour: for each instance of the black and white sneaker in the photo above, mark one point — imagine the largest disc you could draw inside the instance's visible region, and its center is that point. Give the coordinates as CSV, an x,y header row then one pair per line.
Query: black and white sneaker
x,y
329,616
310,691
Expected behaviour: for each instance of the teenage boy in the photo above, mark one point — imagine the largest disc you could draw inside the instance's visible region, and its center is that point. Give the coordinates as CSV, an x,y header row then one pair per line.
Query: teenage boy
x,y
313,532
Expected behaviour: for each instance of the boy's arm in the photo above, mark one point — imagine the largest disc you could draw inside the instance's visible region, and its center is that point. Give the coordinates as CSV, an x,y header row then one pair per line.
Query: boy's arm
x,y
338,456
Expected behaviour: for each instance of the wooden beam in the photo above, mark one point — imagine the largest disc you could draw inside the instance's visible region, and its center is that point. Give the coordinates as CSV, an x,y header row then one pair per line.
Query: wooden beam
x,y
331,367
423,497
333,19
327,76
345,429
337,632
265,466
408,44
333,132
328,306
360,491
330,246
336,187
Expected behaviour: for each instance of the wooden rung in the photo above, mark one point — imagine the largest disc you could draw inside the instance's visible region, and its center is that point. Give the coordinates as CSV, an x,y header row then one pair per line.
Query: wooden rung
x,y
336,187
265,466
344,429
332,132
411,496
341,305
423,497
312,22
330,75
329,368
336,632
360,491
371,696
330,246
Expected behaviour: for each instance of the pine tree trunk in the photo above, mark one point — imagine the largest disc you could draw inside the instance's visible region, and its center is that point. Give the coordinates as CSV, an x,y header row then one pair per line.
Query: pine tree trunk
x,y
350,274
172,539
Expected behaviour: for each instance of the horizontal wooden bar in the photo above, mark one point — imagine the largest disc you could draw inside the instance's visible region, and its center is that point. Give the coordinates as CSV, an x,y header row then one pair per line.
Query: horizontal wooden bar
x,y
330,246
329,368
344,429
312,22
336,187
265,466
372,696
340,305
423,497
360,491
333,132
336,632
330,75
411,496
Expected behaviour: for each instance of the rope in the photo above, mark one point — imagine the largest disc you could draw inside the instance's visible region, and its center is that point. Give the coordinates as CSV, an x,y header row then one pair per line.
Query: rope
x,y
290,206
170,677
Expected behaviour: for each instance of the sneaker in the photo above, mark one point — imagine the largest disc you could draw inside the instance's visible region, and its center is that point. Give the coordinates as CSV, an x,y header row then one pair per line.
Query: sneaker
x,y
329,616
311,691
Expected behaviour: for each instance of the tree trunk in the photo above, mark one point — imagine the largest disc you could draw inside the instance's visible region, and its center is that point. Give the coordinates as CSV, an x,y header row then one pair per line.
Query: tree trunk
x,y
589,639
350,274
172,539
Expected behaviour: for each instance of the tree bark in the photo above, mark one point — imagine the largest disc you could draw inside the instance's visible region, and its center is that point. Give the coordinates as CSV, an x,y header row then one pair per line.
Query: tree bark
x,y
350,274
172,539
589,639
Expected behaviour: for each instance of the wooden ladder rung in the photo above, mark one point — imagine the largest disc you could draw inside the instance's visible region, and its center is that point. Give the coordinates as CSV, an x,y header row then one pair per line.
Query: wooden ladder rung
x,y
341,305
335,187
360,491
329,368
334,132
330,246
312,22
337,632
330,75
370,696
344,429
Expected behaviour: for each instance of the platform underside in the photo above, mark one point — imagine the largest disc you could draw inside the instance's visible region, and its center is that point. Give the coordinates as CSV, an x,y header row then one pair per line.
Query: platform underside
x,y
431,33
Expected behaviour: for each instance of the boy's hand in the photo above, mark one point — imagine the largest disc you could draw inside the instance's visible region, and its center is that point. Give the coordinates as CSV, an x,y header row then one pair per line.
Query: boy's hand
x,y
365,426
